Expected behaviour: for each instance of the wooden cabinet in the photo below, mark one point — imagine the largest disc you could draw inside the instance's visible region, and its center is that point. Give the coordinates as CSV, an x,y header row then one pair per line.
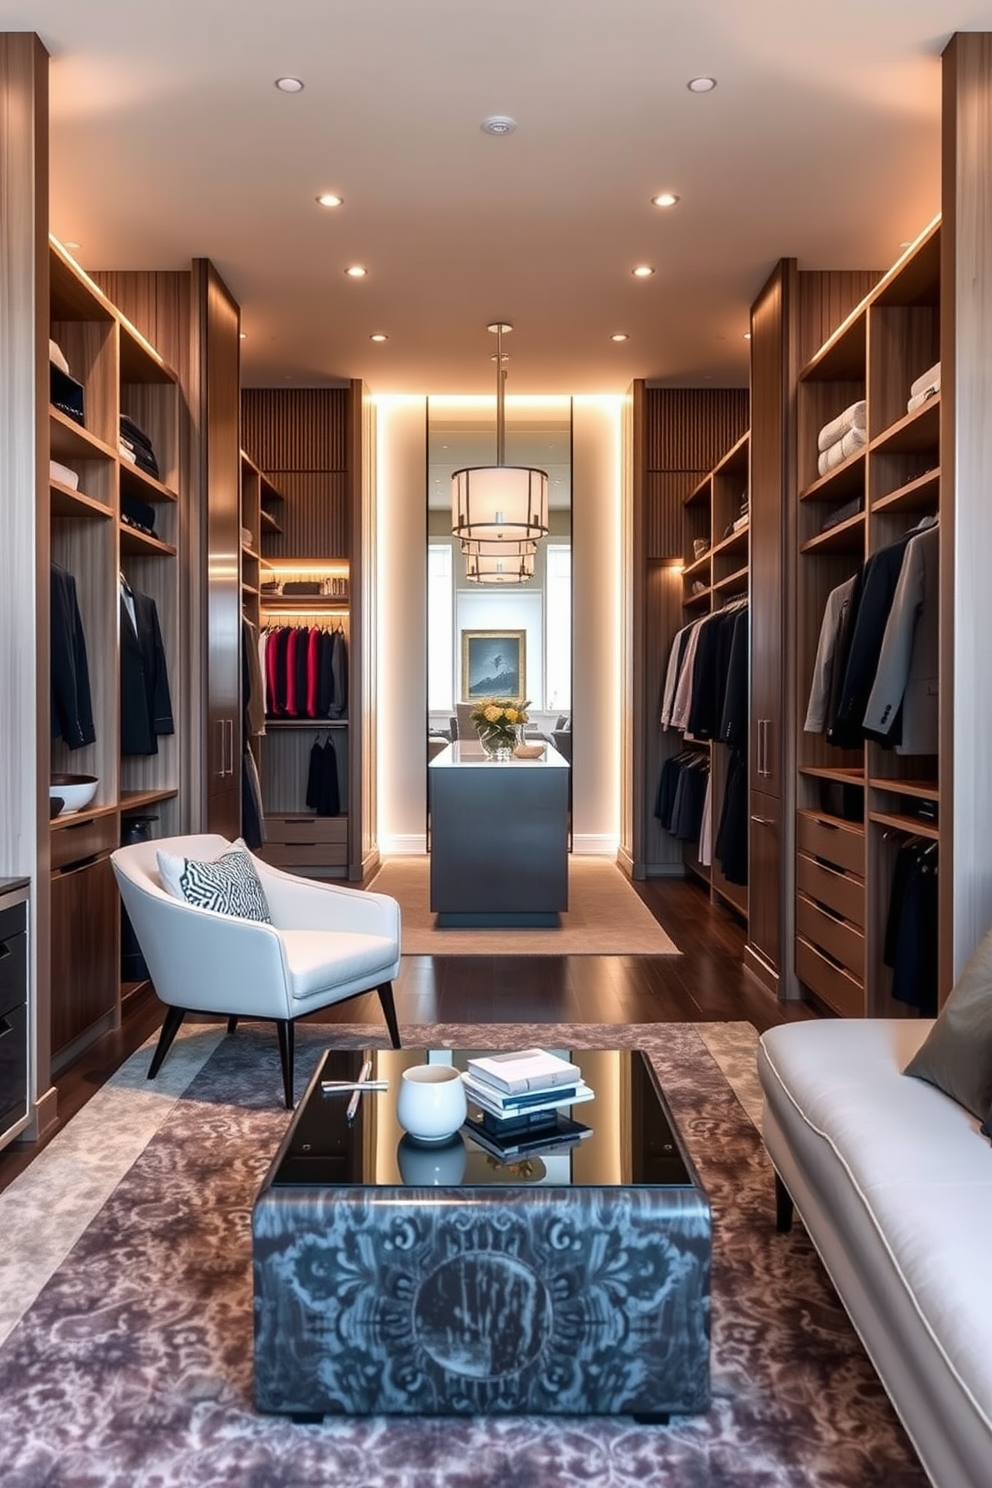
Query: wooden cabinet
x,y
220,479
85,955
15,1063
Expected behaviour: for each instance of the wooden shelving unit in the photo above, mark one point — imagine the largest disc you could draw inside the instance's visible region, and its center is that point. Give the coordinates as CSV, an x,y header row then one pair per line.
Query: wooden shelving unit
x,y
119,373
888,341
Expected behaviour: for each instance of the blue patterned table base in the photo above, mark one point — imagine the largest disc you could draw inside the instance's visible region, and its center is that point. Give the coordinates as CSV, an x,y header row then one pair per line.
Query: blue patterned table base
x,y
577,1301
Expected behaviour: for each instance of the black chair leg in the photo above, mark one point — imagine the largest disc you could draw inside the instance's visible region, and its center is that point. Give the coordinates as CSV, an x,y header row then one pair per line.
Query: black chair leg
x,y
173,1020
285,1030
232,1024
389,1012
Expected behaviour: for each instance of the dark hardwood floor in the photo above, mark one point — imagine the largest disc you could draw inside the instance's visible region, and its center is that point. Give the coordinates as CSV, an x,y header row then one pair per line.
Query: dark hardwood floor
x,y
706,983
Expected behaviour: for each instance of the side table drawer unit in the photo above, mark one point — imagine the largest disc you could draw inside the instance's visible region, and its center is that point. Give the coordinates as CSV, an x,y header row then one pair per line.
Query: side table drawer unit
x,y
13,1014
415,1301
296,840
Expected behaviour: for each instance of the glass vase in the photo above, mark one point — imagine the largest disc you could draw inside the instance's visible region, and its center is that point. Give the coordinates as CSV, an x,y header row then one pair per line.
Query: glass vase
x,y
498,745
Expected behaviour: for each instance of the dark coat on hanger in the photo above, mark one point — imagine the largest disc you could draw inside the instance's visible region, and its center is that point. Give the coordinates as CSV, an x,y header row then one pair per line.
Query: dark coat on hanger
x,y
146,706
71,704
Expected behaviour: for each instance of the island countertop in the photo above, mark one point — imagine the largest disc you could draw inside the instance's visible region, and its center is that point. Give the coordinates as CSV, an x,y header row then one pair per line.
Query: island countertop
x,y
466,754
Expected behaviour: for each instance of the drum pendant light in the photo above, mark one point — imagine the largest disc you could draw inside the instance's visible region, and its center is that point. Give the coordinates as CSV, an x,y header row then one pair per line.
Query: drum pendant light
x,y
499,503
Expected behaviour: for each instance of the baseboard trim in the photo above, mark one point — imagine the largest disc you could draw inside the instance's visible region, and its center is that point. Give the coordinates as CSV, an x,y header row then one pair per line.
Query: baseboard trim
x,y
766,975
405,845
594,845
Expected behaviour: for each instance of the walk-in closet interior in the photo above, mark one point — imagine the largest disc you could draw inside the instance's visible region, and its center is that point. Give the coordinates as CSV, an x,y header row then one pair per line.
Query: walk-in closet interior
x,y
193,574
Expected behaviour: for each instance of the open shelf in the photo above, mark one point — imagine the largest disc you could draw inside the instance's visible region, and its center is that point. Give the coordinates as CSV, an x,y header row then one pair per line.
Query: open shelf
x,y
137,800
919,430
846,774
137,482
912,825
70,440
846,537
133,541
67,502
845,480
921,494
920,790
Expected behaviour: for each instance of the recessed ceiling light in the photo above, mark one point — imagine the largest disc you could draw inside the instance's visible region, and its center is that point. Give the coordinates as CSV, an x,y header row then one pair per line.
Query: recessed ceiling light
x,y
356,271
643,271
70,244
330,199
747,335
907,244
289,84
378,336
242,335
665,199
619,336
701,84
498,124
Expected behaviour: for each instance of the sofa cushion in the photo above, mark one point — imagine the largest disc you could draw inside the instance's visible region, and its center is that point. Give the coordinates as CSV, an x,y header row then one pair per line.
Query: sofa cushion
x,y
957,1055
320,958
228,884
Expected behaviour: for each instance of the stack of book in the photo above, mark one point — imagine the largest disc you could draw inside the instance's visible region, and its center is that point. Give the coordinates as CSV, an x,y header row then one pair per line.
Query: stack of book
x,y
523,1087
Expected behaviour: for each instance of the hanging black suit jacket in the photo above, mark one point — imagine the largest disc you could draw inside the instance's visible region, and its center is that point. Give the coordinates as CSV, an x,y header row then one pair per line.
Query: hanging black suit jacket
x,y
72,705
146,706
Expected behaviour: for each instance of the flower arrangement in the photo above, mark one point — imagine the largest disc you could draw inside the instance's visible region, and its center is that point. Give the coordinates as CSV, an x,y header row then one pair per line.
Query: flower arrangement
x,y
497,720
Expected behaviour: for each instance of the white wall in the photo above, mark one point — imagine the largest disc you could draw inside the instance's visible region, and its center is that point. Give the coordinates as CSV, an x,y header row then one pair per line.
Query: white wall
x,y
401,626
402,664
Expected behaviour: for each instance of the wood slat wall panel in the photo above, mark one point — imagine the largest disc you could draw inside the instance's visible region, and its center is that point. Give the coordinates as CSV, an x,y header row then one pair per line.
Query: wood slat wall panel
x,y
691,428
156,304
296,428
826,299
314,516
664,517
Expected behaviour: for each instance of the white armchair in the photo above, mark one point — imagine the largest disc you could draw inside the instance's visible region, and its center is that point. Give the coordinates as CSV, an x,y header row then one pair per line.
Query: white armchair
x,y
326,943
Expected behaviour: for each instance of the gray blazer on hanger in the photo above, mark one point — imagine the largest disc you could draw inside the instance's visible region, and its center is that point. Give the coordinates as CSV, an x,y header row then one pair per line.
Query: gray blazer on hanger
x,y
909,663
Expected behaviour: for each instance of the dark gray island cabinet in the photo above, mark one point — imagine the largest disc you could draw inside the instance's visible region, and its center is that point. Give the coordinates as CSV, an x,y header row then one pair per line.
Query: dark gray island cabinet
x,y
499,838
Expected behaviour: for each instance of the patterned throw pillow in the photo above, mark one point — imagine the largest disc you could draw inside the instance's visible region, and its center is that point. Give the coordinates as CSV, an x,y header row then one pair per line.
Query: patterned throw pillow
x,y
229,885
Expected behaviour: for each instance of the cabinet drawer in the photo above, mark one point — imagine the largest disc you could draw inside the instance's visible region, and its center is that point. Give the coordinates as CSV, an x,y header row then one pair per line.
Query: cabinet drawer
x,y
839,891
306,829
844,942
83,839
13,1066
838,989
290,855
835,841
13,920
13,971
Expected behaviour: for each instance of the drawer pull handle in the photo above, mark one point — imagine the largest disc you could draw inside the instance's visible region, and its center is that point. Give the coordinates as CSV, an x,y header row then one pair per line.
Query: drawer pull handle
x,y
763,821
300,821
828,826
4,949
5,1027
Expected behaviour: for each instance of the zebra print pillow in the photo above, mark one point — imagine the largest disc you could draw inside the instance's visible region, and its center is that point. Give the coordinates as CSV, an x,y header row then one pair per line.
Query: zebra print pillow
x,y
229,885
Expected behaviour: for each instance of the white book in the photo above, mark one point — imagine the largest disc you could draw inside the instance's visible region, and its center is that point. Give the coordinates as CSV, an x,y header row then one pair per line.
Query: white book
x,y
532,1069
506,1108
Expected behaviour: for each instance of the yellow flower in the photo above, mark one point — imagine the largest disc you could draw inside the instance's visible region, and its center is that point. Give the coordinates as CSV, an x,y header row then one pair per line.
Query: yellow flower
x,y
492,713
512,716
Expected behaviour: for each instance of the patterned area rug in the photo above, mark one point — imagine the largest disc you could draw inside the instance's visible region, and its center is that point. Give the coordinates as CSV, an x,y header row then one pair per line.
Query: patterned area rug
x,y
605,917
132,1368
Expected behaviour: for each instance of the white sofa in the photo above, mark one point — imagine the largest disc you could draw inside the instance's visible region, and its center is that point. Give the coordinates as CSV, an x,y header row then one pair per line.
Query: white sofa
x,y
893,1181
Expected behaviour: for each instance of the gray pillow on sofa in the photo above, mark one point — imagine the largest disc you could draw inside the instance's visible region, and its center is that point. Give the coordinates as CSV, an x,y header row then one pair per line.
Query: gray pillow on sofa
x,y
957,1053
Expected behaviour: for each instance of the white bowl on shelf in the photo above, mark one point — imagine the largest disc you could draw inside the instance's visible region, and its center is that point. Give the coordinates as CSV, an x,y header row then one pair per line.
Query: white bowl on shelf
x,y
75,791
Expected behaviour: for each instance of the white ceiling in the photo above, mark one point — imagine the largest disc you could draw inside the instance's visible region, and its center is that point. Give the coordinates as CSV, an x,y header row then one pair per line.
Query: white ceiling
x,y
169,140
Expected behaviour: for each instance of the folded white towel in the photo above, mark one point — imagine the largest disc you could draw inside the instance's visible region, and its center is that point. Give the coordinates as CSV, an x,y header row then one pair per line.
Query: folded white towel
x,y
929,378
841,450
851,418
918,399
62,473
57,355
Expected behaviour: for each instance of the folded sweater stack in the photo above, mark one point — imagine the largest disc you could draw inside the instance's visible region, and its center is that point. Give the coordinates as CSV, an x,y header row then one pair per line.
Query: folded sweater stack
x,y
926,386
842,437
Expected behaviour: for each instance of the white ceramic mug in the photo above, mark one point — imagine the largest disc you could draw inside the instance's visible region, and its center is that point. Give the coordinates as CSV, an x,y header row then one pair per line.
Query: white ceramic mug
x,y
431,1104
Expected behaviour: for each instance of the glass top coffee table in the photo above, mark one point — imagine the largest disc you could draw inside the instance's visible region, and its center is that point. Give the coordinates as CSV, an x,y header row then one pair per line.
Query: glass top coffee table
x,y
568,1274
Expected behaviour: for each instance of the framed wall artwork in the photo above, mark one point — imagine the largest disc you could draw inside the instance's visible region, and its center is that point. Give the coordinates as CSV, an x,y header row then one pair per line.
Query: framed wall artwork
x,y
494,663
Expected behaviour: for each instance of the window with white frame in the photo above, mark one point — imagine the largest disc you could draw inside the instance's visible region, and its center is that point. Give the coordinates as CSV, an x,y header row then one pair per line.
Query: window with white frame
x,y
558,628
440,616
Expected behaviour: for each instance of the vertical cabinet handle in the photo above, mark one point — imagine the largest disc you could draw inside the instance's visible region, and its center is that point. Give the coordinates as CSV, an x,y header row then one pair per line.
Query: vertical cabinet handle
x,y
763,764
